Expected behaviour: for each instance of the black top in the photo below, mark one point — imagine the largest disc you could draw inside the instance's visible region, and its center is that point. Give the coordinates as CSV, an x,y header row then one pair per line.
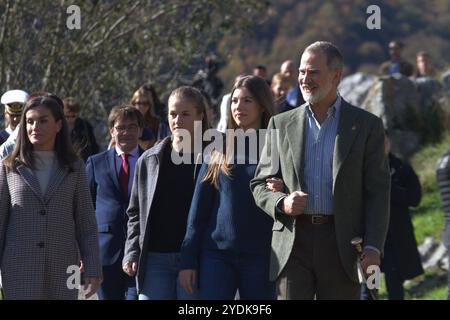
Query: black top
x,y
400,240
171,203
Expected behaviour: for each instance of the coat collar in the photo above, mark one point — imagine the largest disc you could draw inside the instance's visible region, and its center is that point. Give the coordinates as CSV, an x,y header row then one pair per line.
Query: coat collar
x,y
57,176
295,135
158,149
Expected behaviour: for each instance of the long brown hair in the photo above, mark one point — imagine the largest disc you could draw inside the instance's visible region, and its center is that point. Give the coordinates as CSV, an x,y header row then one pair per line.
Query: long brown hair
x,y
151,120
260,91
23,151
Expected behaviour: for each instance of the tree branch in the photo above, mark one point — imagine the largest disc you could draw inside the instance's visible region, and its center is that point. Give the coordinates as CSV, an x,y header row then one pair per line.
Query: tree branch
x,y
116,24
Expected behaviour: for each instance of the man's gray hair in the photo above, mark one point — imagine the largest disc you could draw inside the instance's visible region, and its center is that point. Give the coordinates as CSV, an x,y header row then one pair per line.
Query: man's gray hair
x,y
334,57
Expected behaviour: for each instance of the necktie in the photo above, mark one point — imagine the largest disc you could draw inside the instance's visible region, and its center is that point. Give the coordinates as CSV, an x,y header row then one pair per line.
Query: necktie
x,y
124,175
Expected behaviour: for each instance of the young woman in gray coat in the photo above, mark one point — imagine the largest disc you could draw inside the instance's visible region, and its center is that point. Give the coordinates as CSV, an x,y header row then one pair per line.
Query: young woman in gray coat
x,y
47,222
160,200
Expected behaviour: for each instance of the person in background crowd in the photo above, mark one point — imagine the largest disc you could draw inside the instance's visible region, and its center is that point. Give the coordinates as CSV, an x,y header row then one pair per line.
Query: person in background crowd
x,y
261,71
424,65
224,105
280,86
401,259
155,128
13,100
208,81
294,96
81,133
227,242
109,175
210,112
47,222
396,64
160,200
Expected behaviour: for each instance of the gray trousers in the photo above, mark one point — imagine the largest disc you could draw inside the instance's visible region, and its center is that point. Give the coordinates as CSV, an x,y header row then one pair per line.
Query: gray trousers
x,y
314,268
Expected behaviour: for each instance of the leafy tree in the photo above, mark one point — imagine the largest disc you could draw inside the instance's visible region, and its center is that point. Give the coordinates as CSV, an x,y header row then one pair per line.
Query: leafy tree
x,y
121,44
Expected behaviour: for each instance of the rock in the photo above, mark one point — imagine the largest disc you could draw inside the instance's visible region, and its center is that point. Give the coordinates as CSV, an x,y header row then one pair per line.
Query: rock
x,y
354,88
430,90
426,248
412,111
436,258
433,254
395,100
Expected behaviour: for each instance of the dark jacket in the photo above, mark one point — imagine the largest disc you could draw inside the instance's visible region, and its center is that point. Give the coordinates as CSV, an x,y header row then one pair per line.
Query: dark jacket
x,y
83,139
406,68
109,203
284,106
405,193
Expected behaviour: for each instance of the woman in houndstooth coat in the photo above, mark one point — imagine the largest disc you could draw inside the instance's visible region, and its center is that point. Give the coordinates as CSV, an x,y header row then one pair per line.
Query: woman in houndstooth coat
x,y
47,221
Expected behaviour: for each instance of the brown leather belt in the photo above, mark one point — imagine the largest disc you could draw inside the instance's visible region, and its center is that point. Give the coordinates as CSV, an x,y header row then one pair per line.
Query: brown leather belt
x,y
315,219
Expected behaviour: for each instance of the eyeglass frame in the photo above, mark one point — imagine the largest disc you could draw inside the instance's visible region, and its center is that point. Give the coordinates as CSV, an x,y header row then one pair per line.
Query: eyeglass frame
x,y
131,127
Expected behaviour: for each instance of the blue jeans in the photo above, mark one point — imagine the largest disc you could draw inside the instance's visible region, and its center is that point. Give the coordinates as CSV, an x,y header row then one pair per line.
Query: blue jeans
x,y
222,274
161,278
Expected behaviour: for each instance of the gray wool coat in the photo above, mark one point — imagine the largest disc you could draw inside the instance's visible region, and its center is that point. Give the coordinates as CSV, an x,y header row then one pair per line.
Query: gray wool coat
x,y
144,187
42,235
145,181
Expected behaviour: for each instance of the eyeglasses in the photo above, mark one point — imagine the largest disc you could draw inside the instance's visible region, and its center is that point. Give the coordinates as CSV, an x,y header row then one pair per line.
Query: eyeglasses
x,y
131,128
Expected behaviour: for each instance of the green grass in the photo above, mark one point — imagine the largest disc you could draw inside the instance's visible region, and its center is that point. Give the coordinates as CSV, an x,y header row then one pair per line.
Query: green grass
x,y
428,220
437,293
430,224
430,286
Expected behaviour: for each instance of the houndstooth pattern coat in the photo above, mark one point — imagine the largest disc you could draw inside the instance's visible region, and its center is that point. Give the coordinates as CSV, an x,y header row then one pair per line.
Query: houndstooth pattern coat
x,y
42,235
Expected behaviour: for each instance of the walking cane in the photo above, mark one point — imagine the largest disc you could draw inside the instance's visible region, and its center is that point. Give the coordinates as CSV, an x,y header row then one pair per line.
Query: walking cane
x,y
357,244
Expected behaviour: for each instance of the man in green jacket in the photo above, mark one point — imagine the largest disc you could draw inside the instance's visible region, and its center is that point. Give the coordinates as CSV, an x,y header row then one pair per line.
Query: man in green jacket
x,y
330,156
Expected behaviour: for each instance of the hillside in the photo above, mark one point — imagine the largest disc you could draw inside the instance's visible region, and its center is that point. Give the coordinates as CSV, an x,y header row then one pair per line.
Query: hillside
x,y
290,25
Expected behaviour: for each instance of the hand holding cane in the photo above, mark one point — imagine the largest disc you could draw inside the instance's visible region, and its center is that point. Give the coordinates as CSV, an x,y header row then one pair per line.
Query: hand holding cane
x,y
357,244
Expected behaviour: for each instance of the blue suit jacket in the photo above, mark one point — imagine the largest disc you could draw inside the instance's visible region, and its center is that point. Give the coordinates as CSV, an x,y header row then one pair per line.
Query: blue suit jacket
x,y
110,205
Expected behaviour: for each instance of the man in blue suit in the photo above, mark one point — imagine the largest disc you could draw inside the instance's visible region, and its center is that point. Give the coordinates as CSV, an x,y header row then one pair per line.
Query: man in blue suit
x,y
110,175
